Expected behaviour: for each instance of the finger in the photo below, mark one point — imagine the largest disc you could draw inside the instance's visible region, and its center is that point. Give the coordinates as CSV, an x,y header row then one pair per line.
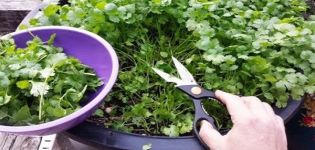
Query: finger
x,y
270,112
269,109
237,109
210,136
280,124
257,108
254,104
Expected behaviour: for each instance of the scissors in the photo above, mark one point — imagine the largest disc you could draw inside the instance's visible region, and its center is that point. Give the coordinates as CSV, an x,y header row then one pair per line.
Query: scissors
x,y
188,85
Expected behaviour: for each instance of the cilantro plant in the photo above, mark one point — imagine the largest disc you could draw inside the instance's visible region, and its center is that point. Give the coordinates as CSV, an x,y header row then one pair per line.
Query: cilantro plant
x,y
246,47
40,83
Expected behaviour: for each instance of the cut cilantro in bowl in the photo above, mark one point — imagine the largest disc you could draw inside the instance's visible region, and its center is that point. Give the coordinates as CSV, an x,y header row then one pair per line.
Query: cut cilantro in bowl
x,y
40,83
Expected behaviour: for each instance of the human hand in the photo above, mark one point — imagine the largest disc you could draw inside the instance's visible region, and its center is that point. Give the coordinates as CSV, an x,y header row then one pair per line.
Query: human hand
x,y
255,126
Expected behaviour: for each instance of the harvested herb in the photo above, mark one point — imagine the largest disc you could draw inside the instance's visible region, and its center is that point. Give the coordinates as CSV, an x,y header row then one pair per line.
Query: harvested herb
x,y
147,147
40,83
246,47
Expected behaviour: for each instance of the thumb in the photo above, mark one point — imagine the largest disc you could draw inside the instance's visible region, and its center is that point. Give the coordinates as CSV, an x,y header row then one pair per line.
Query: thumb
x,y
210,136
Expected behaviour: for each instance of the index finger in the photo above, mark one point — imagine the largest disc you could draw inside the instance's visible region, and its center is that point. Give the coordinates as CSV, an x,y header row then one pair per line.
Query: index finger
x,y
236,107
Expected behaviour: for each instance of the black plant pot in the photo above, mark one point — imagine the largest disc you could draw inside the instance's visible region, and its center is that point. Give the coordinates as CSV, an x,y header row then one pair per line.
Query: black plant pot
x,y
103,138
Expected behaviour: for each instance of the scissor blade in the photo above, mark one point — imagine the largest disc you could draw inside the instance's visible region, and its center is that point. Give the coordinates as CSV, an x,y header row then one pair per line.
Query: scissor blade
x,y
183,72
168,78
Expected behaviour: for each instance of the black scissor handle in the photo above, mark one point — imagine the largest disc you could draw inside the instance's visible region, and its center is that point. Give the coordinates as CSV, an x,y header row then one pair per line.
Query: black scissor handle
x,y
200,115
198,94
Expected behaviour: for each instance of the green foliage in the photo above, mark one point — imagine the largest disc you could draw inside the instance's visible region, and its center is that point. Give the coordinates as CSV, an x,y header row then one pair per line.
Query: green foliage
x,y
246,47
40,83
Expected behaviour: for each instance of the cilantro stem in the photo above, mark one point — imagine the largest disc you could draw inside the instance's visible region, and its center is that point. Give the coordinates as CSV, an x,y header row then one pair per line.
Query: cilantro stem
x,y
41,101
61,98
262,93
42,58
89,74
3,52
184,110
40,107
31,34
83,90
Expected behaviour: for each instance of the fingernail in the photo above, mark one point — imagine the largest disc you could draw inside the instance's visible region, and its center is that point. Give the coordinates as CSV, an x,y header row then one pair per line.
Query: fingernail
x,y
205,122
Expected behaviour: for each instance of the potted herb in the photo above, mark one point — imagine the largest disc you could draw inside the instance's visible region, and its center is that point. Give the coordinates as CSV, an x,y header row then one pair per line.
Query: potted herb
x,y
261,48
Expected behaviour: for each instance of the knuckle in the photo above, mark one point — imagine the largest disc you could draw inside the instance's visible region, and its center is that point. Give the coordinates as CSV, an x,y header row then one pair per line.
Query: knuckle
x,y
280,123
251,120
256,121
266,104
254,98
251,99
279,119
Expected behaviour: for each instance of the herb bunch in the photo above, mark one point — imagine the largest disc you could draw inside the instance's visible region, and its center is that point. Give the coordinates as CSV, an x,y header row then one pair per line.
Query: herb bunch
x,y
40,83
247,47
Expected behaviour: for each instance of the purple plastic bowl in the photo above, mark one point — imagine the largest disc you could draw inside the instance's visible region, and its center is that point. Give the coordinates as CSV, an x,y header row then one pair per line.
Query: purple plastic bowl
x,y
91,50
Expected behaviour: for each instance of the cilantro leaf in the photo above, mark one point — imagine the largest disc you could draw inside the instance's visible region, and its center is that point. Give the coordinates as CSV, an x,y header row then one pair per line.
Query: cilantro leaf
x,y
39,83
263,48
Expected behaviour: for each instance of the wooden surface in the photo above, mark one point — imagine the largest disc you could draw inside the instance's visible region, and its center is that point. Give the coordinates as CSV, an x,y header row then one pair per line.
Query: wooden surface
x,y
9,20
18,4
13,142
11,14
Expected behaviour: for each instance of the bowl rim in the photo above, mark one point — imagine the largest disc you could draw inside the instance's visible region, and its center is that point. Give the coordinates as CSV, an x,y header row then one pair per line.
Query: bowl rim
x,y
99,98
